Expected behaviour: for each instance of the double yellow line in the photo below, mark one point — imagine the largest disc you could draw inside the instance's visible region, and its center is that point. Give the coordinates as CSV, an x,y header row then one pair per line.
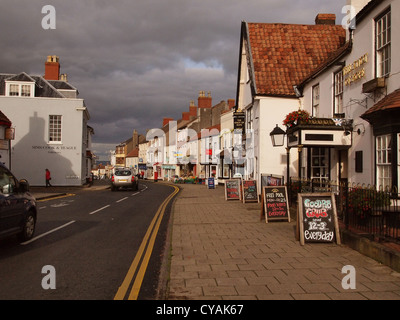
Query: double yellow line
x,y
146,243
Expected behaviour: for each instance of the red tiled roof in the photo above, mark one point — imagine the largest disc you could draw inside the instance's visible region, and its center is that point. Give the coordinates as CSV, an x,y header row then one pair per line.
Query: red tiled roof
x,y
390,102
134,153
284,54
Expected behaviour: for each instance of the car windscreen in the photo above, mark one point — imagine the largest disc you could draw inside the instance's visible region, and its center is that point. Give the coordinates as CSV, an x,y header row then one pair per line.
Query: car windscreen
x,y
123,173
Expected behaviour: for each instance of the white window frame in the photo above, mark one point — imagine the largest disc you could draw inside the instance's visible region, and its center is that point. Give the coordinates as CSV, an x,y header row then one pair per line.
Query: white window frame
x,y
55,129
383,44
398,160
315,100
19,85
319,165
338,87
384,161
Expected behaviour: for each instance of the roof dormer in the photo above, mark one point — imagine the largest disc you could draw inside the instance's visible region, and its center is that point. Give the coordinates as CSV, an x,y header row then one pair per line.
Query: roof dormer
x,y
20,85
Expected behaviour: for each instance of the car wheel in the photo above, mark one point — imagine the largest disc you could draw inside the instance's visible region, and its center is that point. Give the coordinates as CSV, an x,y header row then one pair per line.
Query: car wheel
x,y
28,229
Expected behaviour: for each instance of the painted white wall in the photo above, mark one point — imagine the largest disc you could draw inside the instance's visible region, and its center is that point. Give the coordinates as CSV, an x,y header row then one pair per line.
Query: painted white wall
x,y
269,112
354,101
32,153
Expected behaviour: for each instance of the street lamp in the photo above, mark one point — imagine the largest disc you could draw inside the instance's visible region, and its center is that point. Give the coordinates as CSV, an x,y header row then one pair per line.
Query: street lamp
x,y
277,136
278,139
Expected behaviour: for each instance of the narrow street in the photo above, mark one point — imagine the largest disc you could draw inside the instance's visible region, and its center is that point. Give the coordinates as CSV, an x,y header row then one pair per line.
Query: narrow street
x,y
91,239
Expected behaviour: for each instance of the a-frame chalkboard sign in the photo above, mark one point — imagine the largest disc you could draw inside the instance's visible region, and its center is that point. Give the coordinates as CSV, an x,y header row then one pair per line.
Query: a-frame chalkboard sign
x,y
275,203
317,218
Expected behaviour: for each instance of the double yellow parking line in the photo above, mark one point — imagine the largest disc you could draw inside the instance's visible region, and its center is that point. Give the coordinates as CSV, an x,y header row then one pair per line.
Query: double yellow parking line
x,y
144,251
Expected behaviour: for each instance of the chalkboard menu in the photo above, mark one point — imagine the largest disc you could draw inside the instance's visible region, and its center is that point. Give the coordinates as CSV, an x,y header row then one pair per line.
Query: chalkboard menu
x,y
317,218
276,205
249,188
211,183
232,189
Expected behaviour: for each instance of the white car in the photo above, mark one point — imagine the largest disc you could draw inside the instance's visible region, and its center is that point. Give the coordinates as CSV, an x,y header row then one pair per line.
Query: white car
x,y
124,178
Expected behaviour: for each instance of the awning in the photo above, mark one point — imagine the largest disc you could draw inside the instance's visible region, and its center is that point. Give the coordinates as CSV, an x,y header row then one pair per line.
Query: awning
x,y
384,116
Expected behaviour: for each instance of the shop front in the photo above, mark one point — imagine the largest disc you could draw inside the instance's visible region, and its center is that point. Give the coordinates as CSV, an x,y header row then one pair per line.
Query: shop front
x,y
322,145
384,117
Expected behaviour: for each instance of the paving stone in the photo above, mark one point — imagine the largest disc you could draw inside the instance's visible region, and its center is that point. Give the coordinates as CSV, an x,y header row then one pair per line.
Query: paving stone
x,y
221,250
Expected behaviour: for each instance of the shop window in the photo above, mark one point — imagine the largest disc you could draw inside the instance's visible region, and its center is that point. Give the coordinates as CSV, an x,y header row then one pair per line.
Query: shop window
x,y
383,161
319,166
398,160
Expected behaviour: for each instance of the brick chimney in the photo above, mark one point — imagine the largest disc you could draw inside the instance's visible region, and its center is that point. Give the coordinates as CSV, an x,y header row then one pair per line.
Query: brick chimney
x,y
231,103
325,18
192,109
52,68
166,121
186,116
204,101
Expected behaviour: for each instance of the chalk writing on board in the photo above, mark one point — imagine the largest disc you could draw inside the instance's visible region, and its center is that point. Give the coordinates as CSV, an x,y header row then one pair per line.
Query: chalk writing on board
x,y
275,201
249,190
316,227
232,190
317,220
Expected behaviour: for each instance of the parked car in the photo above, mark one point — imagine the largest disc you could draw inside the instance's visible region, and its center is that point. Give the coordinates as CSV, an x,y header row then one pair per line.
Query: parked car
x,y
124,178
18,213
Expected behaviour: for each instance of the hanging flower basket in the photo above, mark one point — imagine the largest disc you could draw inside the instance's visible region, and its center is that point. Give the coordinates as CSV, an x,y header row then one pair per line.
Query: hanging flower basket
x,y
294,117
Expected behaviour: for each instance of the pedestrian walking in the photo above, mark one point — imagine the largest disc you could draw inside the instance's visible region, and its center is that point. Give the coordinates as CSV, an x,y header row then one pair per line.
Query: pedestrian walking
x,y
48,178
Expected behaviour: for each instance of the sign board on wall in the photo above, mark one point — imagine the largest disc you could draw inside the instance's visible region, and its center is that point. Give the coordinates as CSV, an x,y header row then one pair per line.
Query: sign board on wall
x,y
317,218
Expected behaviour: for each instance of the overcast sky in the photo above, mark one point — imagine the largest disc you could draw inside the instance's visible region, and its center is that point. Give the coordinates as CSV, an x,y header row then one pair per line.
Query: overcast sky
x,y
137,61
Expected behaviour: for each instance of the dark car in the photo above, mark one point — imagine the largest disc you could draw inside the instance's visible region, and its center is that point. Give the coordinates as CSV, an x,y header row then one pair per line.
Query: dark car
x,y
18,212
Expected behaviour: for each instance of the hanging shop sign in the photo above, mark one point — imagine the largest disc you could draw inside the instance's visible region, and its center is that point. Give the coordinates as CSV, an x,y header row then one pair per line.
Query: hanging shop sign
x,y
239,120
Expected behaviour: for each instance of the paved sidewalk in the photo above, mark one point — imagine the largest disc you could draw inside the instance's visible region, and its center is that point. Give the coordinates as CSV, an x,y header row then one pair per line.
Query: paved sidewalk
x,y
221,250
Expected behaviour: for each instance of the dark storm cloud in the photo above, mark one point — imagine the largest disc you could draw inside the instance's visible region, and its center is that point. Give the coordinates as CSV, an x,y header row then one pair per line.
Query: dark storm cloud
x,y
135,62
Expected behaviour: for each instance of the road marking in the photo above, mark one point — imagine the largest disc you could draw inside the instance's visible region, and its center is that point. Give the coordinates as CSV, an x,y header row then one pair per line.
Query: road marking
x,y
48,232
56,197
150,234
121,199
99,209
134,194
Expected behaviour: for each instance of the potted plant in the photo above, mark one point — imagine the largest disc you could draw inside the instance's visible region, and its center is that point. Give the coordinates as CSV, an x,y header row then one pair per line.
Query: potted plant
x,y
293,118
363,201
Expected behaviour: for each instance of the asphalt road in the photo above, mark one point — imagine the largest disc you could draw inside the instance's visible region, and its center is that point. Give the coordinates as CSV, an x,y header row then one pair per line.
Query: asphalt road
x,y
88,242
